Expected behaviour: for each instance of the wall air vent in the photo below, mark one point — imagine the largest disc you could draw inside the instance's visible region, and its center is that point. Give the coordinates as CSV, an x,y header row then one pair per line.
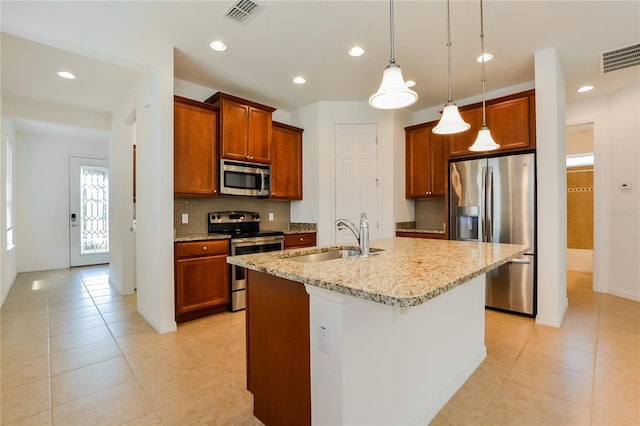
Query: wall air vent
x,y
243,11
618,59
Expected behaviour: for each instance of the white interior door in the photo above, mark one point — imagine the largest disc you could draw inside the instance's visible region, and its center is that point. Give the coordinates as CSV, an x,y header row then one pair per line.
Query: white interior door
x,y
356,177
88,211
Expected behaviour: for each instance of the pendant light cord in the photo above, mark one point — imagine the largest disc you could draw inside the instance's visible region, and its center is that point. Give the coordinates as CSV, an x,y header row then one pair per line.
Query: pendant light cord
x,y
449,47
391,30
484,78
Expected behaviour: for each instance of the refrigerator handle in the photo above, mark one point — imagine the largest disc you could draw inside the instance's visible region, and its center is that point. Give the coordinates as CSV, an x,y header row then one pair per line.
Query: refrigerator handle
x,y
483,205
489,205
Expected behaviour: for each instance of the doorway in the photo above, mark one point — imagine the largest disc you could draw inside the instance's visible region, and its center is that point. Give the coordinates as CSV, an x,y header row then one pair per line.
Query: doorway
x,y
88,211
580,197
356,177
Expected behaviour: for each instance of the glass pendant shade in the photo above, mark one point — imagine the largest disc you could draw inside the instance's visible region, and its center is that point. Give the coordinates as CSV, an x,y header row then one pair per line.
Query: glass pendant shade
x,y
484,141
393,92
451,121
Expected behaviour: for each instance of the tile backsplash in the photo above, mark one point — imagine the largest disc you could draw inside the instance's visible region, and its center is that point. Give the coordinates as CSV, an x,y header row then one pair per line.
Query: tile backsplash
x,y
197,209
430,213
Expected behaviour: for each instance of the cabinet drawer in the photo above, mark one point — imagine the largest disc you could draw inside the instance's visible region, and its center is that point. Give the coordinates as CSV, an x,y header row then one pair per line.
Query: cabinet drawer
x,y
202,248
420,235
299,240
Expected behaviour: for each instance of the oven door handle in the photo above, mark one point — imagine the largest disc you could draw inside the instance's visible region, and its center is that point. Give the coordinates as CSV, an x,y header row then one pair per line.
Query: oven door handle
x,y
259,241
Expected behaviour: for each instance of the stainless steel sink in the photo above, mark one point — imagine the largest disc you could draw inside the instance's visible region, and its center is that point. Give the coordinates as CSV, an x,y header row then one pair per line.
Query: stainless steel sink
x,y
329,255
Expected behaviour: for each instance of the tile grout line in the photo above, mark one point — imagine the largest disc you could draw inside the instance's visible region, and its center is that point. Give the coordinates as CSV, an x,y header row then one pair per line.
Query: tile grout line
x,y
595,361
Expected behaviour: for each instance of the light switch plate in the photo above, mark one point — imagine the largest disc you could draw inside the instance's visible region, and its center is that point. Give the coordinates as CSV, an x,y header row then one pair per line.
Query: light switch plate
x,y
185,217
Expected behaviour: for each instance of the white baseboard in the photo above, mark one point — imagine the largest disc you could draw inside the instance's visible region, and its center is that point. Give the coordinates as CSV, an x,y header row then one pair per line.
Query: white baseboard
x,y
625,294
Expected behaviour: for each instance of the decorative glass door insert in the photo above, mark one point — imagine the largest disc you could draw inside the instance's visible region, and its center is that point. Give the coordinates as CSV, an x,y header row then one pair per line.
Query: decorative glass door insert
x,y
88,211
94,216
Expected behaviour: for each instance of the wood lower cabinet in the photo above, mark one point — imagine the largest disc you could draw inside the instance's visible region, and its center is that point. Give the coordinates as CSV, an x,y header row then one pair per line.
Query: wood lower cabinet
x,y
421,235
286,162
426,162
245,129
299,240
201,279
278,353
195,156
511,120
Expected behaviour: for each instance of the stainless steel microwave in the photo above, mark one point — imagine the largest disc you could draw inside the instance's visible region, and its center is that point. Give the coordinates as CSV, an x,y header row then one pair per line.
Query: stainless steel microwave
x,y
249,179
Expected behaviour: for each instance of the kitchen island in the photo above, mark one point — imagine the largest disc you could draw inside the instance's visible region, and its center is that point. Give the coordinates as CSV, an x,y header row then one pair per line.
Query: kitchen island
x,y
386,339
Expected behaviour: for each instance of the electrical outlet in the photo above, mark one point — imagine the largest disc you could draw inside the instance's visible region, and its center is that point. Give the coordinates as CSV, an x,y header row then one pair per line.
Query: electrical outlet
x,y
323,339
271,217
185,217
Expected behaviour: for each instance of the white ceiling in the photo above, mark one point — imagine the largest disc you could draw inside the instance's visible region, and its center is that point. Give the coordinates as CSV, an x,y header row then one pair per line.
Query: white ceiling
x,y
311,38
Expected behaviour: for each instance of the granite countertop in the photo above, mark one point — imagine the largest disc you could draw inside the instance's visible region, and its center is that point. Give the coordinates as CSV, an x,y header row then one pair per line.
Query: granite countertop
x,y
407,272
421,230
200,237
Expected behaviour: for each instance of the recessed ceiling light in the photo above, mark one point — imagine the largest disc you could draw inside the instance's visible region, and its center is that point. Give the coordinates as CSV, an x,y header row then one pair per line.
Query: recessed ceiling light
x,y
299,80
585,89
485,57
66,74
356,51
218,45
410,83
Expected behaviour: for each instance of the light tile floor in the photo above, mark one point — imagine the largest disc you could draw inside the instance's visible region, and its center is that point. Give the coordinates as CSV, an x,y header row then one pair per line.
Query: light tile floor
x,y
74,352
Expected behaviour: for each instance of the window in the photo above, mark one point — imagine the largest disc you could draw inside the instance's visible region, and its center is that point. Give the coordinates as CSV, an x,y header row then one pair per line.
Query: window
x,y
577,160
9,194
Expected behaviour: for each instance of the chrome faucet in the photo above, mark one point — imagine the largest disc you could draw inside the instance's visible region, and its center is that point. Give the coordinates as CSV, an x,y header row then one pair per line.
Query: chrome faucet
x,y
362,234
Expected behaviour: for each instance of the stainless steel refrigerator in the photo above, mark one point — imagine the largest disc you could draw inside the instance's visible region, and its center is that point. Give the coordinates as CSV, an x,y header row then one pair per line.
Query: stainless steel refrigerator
x,y
493,200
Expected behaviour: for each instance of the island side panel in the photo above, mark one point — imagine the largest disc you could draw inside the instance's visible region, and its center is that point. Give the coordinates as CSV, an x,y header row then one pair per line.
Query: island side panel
x,y
278,358
378,364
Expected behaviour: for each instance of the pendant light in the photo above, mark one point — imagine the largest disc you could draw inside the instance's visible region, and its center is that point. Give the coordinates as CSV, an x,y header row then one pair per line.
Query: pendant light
x,y
484,141
451,121
393,92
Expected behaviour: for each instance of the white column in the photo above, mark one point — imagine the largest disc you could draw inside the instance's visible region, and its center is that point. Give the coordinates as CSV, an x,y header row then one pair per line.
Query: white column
x,y
551,188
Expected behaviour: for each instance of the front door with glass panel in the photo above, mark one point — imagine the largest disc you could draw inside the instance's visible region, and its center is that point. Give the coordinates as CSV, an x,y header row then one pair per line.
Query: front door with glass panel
x,y
88,211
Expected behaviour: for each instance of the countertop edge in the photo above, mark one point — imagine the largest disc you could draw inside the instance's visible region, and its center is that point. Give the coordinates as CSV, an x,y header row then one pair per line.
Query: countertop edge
x,y
374,297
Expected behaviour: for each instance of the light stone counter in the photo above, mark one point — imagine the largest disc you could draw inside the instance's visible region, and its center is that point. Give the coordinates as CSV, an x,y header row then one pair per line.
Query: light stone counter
x,y
407,272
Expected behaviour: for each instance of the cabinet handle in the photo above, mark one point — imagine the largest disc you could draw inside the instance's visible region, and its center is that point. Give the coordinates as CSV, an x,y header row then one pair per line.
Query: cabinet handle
x,y
301,239
204,248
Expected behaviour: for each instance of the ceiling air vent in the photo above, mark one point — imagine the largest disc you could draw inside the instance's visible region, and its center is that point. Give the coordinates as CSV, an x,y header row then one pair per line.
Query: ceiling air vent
x,y
618,59
243,11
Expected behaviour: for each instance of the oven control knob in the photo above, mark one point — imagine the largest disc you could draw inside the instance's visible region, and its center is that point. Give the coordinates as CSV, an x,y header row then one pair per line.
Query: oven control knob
x,y
256,216
218,217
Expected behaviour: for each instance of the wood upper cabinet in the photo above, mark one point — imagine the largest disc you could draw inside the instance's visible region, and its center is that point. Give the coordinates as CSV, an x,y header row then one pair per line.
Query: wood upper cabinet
x,y
286,162
426,162
195,157
202,278
459,143
510,123
245,129
511,120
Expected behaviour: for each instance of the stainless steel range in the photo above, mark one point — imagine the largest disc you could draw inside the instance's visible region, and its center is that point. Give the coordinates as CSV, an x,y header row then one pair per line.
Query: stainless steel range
x,y
246,238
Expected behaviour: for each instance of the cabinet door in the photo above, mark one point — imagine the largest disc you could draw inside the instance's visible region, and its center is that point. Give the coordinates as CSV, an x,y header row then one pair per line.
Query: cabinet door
x,y
459,143
259,133
195,163
416,155
286,164
438,166
201,283
509,123
233,130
